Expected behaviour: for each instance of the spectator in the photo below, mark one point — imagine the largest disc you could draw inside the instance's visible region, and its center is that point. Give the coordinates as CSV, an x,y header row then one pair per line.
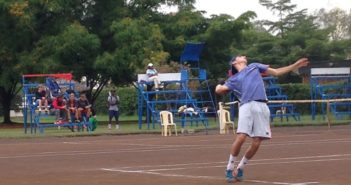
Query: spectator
x,y
152,73
41,98
68,92
113,111
72,104
92,120
61,112
83,107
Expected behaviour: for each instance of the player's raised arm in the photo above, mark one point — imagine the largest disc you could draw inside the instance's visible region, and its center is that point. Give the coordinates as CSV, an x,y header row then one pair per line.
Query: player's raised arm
x,y
222,89
283,70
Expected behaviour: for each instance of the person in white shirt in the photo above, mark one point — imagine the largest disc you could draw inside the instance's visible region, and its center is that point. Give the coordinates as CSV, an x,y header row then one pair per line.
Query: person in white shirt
x,y
113,110
152,73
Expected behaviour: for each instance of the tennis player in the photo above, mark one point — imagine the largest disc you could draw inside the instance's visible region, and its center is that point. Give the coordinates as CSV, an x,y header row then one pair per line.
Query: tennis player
x,y
247,84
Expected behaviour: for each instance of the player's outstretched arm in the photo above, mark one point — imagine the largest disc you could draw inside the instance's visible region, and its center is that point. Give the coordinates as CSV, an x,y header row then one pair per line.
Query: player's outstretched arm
x,y
283,70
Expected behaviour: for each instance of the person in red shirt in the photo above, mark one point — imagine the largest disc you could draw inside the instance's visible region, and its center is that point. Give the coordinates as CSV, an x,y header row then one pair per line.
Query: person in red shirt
x,y
61,112
72,104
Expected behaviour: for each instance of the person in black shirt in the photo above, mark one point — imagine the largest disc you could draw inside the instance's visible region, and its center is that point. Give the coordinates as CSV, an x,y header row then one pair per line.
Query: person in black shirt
x,y
83,107
41,98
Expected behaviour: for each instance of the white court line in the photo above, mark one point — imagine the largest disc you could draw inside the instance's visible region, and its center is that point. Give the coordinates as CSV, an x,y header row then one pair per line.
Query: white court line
x,y
274,137
305,142
75,143
252,162
301,161
132,150
164,148
268,143
202,177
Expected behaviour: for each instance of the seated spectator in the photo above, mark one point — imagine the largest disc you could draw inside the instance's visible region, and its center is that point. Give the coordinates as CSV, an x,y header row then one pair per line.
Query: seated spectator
x,y
61,112
72,104
41,98
70,90
93,121
152,73
83,107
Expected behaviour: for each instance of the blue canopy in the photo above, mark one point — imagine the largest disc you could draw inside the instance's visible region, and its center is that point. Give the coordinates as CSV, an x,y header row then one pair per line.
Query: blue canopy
x,y
191,52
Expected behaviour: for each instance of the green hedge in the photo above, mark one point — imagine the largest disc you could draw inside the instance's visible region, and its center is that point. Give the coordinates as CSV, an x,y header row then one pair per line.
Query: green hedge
x,y
128,101
298,91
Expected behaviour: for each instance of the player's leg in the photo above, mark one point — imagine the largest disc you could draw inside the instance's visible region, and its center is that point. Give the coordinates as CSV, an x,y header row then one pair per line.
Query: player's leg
x,y
235,150
260,131
250,152
244,129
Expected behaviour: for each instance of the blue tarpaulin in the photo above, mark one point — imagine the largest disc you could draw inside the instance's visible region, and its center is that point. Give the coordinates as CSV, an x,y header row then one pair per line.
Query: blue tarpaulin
x,y
191,52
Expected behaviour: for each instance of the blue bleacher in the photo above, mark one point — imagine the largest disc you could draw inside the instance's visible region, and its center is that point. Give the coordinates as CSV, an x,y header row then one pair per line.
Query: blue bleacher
x,y
281,110
32,118
331,87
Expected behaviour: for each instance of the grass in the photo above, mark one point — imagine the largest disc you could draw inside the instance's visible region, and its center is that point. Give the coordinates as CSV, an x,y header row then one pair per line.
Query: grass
x,y
129,125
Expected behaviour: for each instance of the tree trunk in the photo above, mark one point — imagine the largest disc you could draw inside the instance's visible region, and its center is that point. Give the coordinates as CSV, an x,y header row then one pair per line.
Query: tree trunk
x,y
93,94
6,97
6,104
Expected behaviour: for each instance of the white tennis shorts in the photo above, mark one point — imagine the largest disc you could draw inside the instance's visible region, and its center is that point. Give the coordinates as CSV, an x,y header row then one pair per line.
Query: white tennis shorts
x,y
254,120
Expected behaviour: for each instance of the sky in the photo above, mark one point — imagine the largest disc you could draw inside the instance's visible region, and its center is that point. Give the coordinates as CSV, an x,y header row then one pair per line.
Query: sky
x,y
237,7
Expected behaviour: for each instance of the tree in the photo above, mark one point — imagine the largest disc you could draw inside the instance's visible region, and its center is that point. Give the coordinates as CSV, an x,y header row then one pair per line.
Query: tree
x,y
223,38
181,27
15,38
337,21
144,46
286,13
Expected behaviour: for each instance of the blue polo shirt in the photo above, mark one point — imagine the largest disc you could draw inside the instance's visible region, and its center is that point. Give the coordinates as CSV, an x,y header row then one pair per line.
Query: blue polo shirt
x,y
248,84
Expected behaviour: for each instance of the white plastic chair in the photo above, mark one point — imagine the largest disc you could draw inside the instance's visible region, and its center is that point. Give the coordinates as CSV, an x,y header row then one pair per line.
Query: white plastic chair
x,y
167,123
225,122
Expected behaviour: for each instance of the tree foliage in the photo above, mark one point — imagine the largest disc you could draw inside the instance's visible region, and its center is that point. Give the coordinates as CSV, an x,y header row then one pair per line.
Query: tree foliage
x,y
337,21
287,14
